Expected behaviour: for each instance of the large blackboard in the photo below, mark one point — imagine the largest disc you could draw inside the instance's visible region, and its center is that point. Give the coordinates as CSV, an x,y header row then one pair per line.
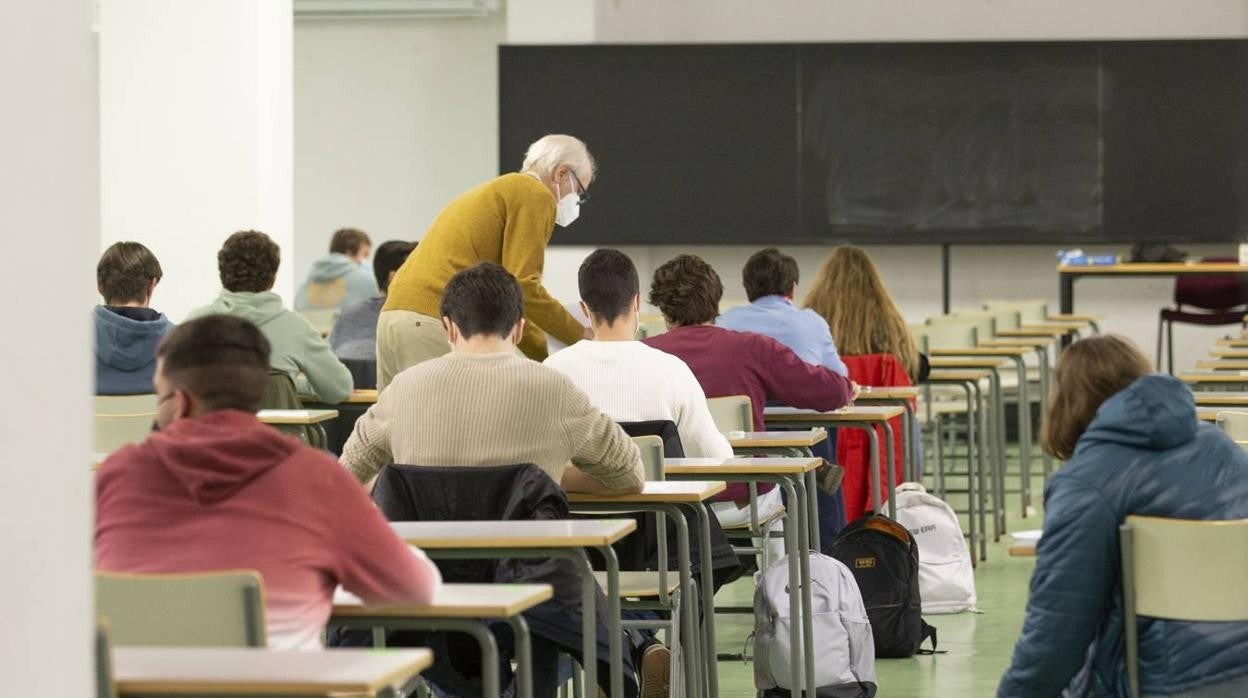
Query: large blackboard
x,y
1051,142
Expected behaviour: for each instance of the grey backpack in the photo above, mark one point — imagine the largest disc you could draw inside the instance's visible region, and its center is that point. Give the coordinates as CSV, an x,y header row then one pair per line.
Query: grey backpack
x,y
844,648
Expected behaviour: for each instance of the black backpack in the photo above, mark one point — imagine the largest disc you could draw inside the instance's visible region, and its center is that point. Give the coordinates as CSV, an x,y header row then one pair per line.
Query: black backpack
x,y
885,561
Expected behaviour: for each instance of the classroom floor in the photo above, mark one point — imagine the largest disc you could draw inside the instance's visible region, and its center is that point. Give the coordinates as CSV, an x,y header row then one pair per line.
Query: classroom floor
x,y
977,646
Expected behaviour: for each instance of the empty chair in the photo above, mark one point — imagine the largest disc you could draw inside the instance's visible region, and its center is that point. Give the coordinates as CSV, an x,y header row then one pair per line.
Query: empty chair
x,y
104,687
1158,560
1210,300
1234,424
211,609
985,322
651,448
948,332
122,419
732,413
1030,312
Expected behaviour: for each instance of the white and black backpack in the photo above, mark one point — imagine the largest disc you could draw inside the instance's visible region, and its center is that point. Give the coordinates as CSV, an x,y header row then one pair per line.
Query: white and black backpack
x,y
844,648
946,577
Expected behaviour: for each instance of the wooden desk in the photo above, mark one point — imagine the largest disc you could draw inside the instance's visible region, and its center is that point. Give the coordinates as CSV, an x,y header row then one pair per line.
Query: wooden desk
x,y
1215,378
1210,414
669,498
1069,274
1223,365
965,363
299,417
777,439
866,418
1239,342
465,608
961,375
795,476
1229,352
882,392
566,539
357,397
1217,399
212,671
1022,548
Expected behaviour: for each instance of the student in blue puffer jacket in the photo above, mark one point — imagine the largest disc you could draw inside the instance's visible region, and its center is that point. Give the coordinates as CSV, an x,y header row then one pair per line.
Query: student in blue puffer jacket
x,y
1133,445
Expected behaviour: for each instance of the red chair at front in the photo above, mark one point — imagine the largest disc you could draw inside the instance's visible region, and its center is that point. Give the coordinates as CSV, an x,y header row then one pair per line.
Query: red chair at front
x,y
852,450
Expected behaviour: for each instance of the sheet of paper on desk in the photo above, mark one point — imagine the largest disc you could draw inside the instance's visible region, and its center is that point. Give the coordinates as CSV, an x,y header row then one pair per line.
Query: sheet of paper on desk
x,y
1027,535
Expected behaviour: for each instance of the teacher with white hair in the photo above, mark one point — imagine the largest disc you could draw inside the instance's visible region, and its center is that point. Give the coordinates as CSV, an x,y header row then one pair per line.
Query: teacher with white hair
x,y
508,221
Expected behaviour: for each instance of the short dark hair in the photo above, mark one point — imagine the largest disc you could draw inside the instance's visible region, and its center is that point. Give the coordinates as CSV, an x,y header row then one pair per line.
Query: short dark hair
x,y
687,291
221,360
608,282
389,257
248,261
483,299
769,272
125,272
349,241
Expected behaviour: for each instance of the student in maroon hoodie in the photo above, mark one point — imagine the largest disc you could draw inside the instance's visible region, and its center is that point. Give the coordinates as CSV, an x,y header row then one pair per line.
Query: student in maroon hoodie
x,y
216,489
687,291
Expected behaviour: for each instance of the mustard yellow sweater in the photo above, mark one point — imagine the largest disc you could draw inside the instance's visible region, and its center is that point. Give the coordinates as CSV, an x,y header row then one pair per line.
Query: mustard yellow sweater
x,y
507,221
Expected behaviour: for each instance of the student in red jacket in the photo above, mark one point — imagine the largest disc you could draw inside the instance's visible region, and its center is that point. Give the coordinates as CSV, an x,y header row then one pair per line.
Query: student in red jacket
x,y
215,489
687,291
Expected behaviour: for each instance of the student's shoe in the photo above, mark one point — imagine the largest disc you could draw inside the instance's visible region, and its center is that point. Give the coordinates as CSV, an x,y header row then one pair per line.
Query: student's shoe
x,y
656,671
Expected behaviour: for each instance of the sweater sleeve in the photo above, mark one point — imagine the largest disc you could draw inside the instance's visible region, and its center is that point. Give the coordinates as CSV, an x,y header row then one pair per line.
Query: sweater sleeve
x,y
368,450
527,230
1070,593
373,562
796,383
599,447
329,378
698,433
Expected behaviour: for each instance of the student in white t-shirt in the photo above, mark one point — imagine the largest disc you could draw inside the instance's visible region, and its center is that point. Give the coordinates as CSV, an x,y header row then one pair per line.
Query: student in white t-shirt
x,y
631,382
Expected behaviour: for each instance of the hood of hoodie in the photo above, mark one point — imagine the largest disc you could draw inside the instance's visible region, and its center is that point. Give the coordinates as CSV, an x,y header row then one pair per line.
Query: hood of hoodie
x,y
332,266
126,344
257,308
1154,413
216,454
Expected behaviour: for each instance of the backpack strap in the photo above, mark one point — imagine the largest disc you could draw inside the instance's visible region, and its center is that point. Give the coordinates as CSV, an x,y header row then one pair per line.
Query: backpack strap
x,y
928,631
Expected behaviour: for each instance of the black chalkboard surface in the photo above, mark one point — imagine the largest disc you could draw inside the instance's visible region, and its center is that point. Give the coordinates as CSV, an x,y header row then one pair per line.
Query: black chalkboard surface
x,y
1049,142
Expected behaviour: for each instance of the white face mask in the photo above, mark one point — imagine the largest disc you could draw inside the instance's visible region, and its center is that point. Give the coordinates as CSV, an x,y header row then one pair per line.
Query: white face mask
x,y
568,208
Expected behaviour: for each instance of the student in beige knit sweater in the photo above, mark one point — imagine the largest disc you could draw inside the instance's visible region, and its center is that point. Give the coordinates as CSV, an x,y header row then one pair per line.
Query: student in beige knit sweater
x,y
486,404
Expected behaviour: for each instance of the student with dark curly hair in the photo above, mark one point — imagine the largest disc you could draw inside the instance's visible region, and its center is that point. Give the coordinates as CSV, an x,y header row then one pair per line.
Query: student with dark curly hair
x,y
248,264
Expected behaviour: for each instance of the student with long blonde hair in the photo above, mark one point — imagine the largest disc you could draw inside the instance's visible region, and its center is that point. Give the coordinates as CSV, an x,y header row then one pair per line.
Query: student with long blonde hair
x,y
862,315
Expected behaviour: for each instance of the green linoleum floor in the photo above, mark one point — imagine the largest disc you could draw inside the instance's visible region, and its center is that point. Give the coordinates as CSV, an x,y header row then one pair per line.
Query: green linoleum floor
x,y
978,646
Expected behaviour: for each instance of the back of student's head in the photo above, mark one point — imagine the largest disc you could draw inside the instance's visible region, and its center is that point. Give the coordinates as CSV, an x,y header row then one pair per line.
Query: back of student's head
x,y
769,272
220,360
1089,372
348,241
850,295
608,283
126,272
388,258
483,299
248,262
686,290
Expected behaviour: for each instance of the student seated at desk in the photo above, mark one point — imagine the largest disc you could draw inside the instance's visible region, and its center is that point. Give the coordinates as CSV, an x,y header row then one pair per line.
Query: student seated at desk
x,y
687,291
215,489
354,337
248,264
339,279
770,278
1132,445
127,330
626,379
486,404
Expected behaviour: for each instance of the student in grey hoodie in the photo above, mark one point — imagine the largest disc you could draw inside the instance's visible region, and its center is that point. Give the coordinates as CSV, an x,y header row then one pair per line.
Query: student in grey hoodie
x,y
126,329
248,264
340,278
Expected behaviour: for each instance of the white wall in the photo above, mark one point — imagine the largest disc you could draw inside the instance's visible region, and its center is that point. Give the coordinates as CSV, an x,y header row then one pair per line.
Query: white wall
x,y
49,192
195,124
393,118
348,174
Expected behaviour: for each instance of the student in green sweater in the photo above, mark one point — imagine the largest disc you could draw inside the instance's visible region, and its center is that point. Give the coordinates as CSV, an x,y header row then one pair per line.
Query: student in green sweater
x,y
248,264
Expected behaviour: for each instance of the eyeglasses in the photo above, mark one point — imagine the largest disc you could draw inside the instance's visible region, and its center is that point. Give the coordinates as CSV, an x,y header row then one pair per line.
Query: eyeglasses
x,y
581,193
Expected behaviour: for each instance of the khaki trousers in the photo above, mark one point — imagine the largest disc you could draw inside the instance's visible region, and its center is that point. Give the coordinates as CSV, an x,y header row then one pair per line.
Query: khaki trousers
x,y
404,339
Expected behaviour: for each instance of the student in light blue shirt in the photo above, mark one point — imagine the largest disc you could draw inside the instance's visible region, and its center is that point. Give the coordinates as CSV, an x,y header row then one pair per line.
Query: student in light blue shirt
x,y
770,278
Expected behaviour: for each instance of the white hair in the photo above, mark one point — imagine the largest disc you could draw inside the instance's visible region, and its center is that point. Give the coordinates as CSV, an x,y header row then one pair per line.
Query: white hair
x,y
547,153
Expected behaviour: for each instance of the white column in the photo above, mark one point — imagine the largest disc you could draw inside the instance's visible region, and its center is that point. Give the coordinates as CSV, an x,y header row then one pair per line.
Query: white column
x,y
49,196
195,134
